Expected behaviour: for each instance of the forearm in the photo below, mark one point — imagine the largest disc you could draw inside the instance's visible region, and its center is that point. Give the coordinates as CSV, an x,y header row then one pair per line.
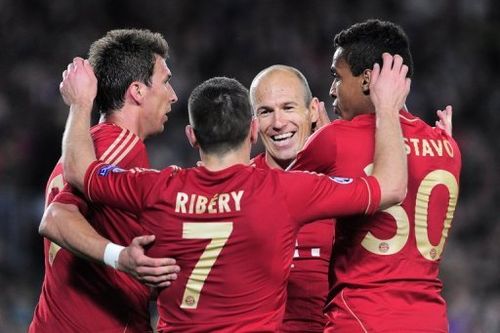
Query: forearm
x,y
64,225
77,146
390,161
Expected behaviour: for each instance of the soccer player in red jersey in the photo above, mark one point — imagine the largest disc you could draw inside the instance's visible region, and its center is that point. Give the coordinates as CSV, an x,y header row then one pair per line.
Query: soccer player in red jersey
x,y
231,226
288,113
134,96
385,272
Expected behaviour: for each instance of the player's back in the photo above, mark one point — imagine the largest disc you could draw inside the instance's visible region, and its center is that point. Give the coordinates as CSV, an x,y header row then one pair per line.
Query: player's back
x,y
78,295
386,265
235,251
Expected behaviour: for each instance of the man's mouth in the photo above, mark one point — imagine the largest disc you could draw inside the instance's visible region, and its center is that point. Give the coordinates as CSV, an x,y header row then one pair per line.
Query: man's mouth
x,y
282,137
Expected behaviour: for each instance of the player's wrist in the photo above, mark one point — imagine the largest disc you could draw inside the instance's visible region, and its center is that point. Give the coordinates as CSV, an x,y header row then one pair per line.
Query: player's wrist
x,y
112,254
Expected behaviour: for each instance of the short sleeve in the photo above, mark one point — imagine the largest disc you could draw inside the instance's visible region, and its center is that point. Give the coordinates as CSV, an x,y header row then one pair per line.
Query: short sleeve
x,y
319,152
313,197
131,190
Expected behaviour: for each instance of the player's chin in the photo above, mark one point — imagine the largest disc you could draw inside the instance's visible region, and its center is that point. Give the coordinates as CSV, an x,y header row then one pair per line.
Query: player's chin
x,y
159,129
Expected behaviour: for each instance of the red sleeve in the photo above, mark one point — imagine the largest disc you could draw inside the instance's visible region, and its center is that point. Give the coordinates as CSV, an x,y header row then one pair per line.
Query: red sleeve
x,y
326,197
68,195
131,190
319,153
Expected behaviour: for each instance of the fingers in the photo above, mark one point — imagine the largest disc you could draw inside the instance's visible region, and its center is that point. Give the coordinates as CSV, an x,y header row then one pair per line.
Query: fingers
x,y
394,63
444,121
323,118
146,261
159,273
375,74
143,240
159,281
158,277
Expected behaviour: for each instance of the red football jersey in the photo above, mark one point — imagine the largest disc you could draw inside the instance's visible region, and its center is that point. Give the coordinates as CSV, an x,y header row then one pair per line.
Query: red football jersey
x,y
81,296
385,273
308,281
232,233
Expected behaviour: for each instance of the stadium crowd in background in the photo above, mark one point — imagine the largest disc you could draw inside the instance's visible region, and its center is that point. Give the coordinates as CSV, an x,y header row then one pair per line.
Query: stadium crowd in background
x,y
456,51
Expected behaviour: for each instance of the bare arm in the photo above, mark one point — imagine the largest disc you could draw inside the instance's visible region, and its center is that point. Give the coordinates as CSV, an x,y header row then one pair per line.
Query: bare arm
x,y
78,88
388,90
64,225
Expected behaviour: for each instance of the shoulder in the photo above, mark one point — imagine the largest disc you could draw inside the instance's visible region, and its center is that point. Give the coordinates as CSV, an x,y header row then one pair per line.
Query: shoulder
x,y
259,161
117,145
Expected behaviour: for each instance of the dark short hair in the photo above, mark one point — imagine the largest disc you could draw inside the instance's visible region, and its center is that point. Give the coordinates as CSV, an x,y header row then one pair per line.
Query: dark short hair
x,y
220,114
120,58
364,43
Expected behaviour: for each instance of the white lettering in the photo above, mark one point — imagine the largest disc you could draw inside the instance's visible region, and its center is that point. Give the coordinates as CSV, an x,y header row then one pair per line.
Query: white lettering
x,y
448,148
438,146
180,203
237,198
199,204
426,148
224,203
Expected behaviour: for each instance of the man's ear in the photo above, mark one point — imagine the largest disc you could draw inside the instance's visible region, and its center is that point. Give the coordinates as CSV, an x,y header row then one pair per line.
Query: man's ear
x,y
254,130
136,91
314,110
191,136
365,84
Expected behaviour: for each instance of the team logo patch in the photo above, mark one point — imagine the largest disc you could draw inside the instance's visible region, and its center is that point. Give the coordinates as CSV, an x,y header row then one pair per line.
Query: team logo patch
x,y
105,170
117,170
341,180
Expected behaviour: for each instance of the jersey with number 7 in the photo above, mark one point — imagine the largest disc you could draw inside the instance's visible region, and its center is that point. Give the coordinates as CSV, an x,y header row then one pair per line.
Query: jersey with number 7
x,y
232,233
385,267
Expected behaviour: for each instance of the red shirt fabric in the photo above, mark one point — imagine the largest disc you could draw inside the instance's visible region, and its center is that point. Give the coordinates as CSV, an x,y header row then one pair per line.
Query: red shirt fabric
x,y
81,296
307,287
232,233
385,273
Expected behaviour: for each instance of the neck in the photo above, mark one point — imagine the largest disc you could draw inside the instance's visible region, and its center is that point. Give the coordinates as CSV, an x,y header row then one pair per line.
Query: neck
x,y
217,162
126,119
276,164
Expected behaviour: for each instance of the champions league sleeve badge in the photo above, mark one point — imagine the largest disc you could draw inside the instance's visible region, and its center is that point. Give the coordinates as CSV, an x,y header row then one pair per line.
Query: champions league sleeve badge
x,y
106,169
342,180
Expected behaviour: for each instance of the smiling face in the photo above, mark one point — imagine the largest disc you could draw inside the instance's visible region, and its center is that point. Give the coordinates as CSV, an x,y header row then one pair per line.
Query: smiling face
x,y
285,121
158,99
349,92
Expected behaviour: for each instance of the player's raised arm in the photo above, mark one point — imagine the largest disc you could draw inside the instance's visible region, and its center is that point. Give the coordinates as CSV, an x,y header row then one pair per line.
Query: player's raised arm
x,y
389,87
78,89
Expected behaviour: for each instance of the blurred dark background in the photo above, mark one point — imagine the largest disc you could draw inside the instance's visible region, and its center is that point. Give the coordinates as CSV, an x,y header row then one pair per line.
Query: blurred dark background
x,y
456,49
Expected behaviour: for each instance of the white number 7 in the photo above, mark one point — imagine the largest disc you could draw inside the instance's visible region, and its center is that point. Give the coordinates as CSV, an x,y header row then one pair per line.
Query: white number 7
x,y
219,233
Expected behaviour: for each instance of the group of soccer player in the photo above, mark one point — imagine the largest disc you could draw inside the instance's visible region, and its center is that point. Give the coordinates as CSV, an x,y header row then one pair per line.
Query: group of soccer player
x,y
239,244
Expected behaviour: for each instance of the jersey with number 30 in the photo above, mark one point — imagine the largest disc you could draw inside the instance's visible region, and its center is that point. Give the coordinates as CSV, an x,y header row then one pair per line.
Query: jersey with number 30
x,y
385,273
232,233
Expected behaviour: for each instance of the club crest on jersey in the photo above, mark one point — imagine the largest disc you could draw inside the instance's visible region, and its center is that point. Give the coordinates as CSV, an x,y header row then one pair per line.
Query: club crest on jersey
x,y
342,180
105,170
